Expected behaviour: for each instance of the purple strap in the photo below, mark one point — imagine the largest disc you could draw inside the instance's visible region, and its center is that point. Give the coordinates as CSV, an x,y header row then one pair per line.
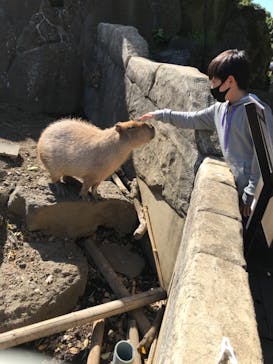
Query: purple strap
x,y
228,119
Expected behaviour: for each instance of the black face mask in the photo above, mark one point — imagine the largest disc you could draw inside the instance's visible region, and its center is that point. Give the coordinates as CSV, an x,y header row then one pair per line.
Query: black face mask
x,y
217,94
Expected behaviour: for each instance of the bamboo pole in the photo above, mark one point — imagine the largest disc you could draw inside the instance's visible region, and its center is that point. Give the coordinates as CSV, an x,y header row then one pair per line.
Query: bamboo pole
x,y
64,322
152,351
114,281
148,338
153,245
96,342
119,183
142,228
134,340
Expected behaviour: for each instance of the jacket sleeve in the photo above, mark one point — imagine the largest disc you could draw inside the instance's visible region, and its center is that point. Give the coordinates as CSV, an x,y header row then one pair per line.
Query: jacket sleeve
x,y
249,190
203,119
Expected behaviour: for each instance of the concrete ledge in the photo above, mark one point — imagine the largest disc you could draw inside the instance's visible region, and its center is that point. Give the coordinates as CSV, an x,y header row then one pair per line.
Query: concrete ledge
x,y
210,296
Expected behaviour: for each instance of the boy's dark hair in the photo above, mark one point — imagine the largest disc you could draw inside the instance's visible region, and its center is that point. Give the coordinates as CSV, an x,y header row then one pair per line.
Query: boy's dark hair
x,y
231,63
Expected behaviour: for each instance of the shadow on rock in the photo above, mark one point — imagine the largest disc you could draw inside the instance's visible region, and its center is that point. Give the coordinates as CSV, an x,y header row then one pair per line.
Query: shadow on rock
x,y
3,237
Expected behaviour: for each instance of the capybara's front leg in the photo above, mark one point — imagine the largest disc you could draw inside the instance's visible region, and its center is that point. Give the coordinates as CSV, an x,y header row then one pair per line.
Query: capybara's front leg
x,y
58,185
84,190
94,191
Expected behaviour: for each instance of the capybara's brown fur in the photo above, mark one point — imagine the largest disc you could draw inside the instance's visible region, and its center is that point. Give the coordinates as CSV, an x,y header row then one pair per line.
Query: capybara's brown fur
x,y
72,147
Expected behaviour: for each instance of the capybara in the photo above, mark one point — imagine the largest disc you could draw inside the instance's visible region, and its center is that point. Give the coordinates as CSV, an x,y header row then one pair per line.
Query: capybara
x,y
76,148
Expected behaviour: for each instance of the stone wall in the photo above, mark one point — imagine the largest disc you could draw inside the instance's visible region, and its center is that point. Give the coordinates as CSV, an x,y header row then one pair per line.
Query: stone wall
x,y
46,45
40,63
200,231
131,85
209,295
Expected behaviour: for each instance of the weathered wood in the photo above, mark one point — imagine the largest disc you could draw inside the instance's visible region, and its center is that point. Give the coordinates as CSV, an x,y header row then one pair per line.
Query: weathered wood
x,y
134,340
148,338
64,322
153,245
96,342
142,228
151,355
119,183
124,178
114,281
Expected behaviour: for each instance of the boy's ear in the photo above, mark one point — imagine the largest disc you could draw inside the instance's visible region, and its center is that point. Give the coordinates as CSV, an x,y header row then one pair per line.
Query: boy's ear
x,y
231,79
118,127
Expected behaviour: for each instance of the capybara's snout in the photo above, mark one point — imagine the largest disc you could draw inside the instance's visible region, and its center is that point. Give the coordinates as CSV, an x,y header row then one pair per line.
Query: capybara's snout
x,y
152,130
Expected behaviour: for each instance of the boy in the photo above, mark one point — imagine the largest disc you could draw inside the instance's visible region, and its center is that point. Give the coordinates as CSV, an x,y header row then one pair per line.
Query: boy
x,y
229,75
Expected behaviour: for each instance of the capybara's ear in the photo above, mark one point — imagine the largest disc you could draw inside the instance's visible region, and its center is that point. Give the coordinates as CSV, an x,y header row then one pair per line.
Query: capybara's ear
x,y
118,127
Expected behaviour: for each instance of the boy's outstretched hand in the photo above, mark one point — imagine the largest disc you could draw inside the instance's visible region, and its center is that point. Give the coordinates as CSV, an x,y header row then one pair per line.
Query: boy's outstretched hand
x,y
147,116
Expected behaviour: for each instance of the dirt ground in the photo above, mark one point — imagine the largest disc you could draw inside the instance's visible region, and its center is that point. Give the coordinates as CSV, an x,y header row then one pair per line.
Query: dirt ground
x,y
72,345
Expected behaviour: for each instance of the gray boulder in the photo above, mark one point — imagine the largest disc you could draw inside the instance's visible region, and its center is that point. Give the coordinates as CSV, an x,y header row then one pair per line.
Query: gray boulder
x,y
47,79
41,65
105,101
7,46
169,162
72,217
45,75
42,277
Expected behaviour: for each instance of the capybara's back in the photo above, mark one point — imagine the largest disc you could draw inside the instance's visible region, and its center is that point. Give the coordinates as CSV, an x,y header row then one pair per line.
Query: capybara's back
x,y
72,147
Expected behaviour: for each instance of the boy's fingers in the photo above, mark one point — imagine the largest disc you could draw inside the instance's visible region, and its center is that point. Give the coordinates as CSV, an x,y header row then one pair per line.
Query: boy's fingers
x,y
145,117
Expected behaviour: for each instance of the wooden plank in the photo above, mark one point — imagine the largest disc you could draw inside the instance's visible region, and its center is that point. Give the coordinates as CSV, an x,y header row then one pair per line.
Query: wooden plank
x,y
167,227
153,245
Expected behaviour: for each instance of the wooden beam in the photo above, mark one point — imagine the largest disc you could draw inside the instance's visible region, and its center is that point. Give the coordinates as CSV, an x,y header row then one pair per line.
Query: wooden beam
x,y
134,340
65,322
96,342
119,183
146,342
114,281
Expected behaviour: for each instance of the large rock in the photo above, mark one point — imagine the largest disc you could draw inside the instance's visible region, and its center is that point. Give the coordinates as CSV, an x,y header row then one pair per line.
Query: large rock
x,y
72,217
42,67
7,46
19,16
120,43
72,25
116,44
46,79
41,277
170,160
146,15
46,75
